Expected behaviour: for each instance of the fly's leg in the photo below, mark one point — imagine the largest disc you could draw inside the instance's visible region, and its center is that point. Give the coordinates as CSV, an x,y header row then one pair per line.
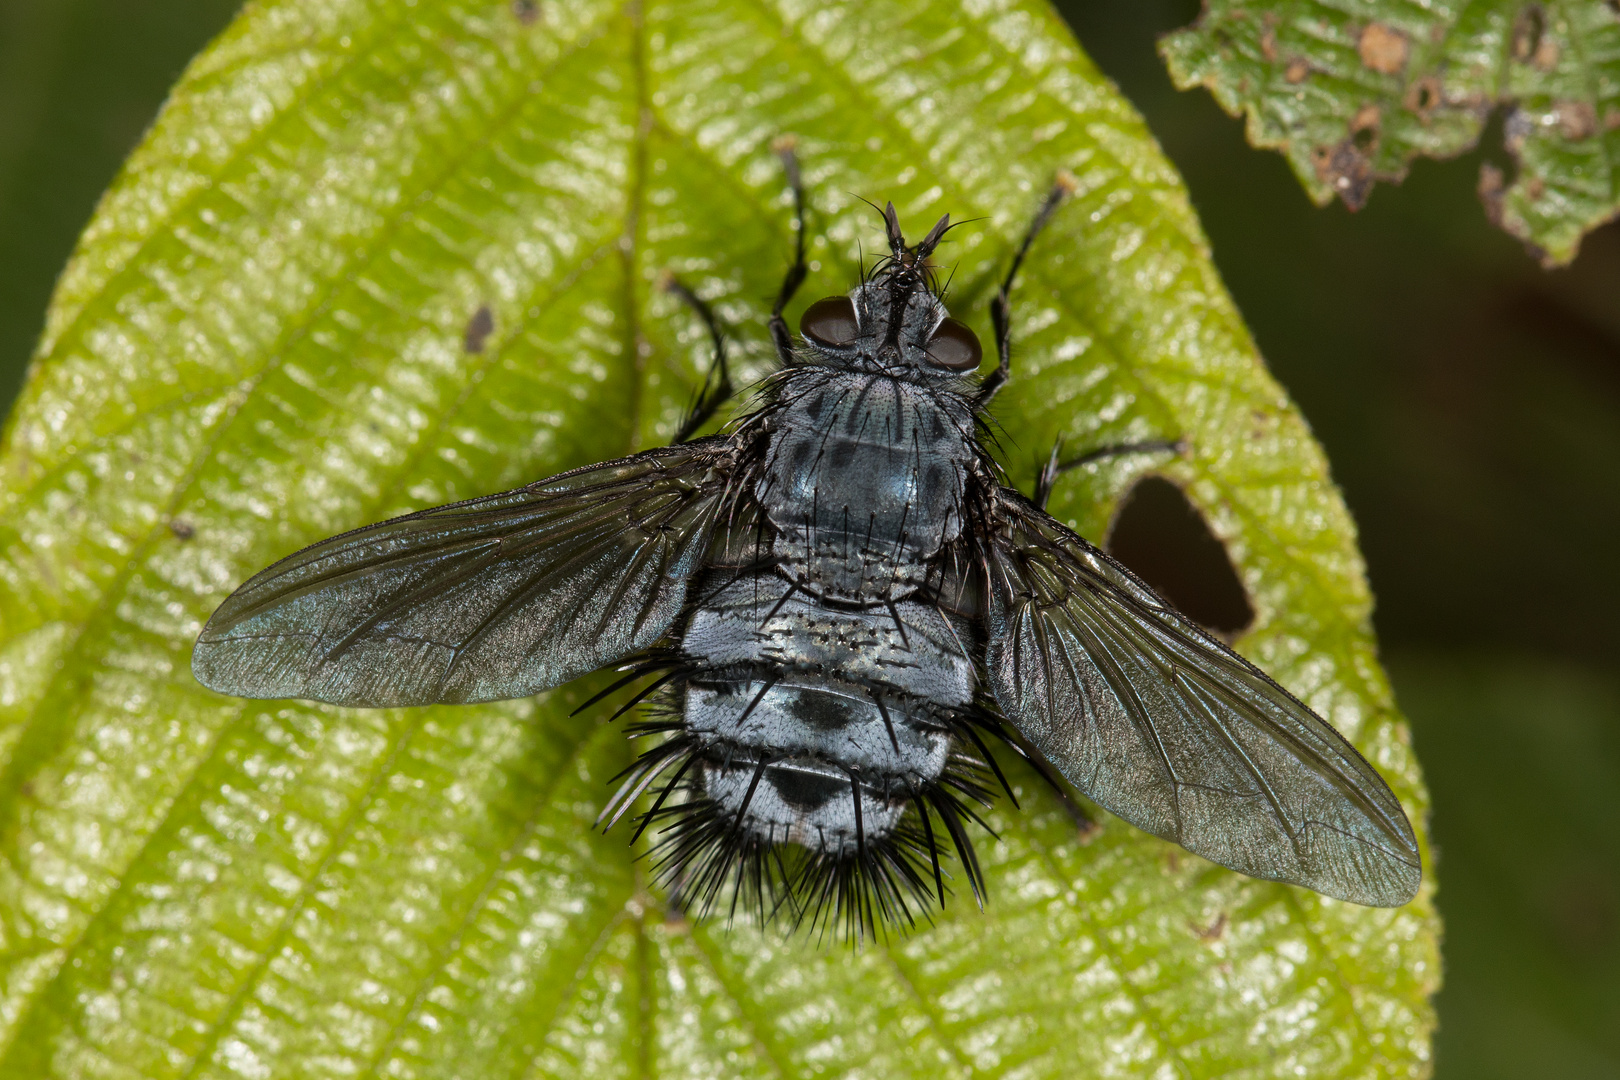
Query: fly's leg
x,y
717,388
1055,468
781,335
717,385
1001,306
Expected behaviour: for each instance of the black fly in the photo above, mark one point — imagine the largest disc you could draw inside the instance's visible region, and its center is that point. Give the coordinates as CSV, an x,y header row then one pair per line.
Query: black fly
x,y
838,606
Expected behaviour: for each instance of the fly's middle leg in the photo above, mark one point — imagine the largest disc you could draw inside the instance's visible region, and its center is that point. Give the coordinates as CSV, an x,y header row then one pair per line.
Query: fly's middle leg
x,y
781,334
1001,306
717,388
1056,465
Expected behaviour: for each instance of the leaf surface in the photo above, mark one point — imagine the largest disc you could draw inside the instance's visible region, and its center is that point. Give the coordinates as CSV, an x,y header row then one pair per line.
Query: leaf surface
x,y
377,256
1352,91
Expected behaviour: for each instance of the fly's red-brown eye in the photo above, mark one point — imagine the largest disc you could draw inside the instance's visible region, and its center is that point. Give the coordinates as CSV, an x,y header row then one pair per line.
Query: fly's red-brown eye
x,y
955,347
830,321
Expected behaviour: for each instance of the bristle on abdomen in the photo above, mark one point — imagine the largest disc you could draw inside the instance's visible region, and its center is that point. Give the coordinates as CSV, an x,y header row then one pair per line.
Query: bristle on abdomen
x,y
753,812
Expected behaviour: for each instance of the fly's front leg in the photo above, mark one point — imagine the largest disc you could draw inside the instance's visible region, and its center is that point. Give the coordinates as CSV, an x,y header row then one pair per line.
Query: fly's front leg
x,y
781,334
717,385
1055,467
717,388
1001,306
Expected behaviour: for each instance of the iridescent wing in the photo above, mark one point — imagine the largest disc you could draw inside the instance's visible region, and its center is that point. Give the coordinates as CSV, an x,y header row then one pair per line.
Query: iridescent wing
x,y
1166,727
498,597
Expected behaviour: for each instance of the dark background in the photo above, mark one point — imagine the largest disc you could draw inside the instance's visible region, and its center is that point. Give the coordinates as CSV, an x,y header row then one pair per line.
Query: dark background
x,y
1469,401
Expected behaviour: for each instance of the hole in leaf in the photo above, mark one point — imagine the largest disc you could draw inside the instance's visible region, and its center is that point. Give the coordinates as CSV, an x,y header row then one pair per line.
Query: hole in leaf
x,y
1161,536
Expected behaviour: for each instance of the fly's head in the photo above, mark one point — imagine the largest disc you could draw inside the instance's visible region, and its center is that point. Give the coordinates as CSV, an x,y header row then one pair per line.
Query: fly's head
x,y
894,321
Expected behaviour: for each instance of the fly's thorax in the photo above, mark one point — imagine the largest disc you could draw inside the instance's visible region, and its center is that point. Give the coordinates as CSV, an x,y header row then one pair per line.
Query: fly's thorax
x,y
864,480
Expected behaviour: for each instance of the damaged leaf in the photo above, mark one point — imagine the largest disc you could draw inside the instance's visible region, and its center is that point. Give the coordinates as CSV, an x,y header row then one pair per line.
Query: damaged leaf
x,y
1352,92
377,255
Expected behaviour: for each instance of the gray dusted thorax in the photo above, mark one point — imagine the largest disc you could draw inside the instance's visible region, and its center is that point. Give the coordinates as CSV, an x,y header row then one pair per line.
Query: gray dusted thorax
x,y
864,481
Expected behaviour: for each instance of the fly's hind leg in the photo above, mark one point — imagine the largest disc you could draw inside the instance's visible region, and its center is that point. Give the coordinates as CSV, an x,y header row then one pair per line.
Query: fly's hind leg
x,y
781,334
1001,306
1055,467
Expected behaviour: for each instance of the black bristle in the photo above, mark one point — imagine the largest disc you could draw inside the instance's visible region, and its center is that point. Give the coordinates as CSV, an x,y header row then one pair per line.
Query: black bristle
x,y
950,811
636,672
856,887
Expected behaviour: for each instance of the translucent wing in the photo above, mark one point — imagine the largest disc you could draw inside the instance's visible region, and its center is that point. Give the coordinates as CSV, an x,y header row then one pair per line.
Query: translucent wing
x,y
1169,729
498,597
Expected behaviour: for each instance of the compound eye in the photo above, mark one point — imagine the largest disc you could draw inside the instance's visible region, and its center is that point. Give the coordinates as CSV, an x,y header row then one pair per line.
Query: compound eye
x,y
955,347
830,321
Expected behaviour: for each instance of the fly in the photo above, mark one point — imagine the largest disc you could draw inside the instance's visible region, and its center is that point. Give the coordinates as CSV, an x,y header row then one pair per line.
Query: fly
x,y
840,607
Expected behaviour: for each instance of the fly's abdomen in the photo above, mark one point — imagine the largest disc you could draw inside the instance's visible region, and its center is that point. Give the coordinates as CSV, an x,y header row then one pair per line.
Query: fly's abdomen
x,y
814,740
805,695
763,622
788,760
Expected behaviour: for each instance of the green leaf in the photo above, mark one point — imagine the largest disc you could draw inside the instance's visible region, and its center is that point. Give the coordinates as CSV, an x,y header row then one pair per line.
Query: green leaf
x,y
1352,90
263,340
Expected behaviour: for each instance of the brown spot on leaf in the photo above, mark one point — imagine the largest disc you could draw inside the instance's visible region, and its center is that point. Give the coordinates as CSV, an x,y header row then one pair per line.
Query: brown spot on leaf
x,y
1364,128
1383,49
1612,121
527,11
1268,38
1535,188
1298,70
1424,95
1577,119
1546,57
1346,169
1527,30
182,529
1211,933
479,327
